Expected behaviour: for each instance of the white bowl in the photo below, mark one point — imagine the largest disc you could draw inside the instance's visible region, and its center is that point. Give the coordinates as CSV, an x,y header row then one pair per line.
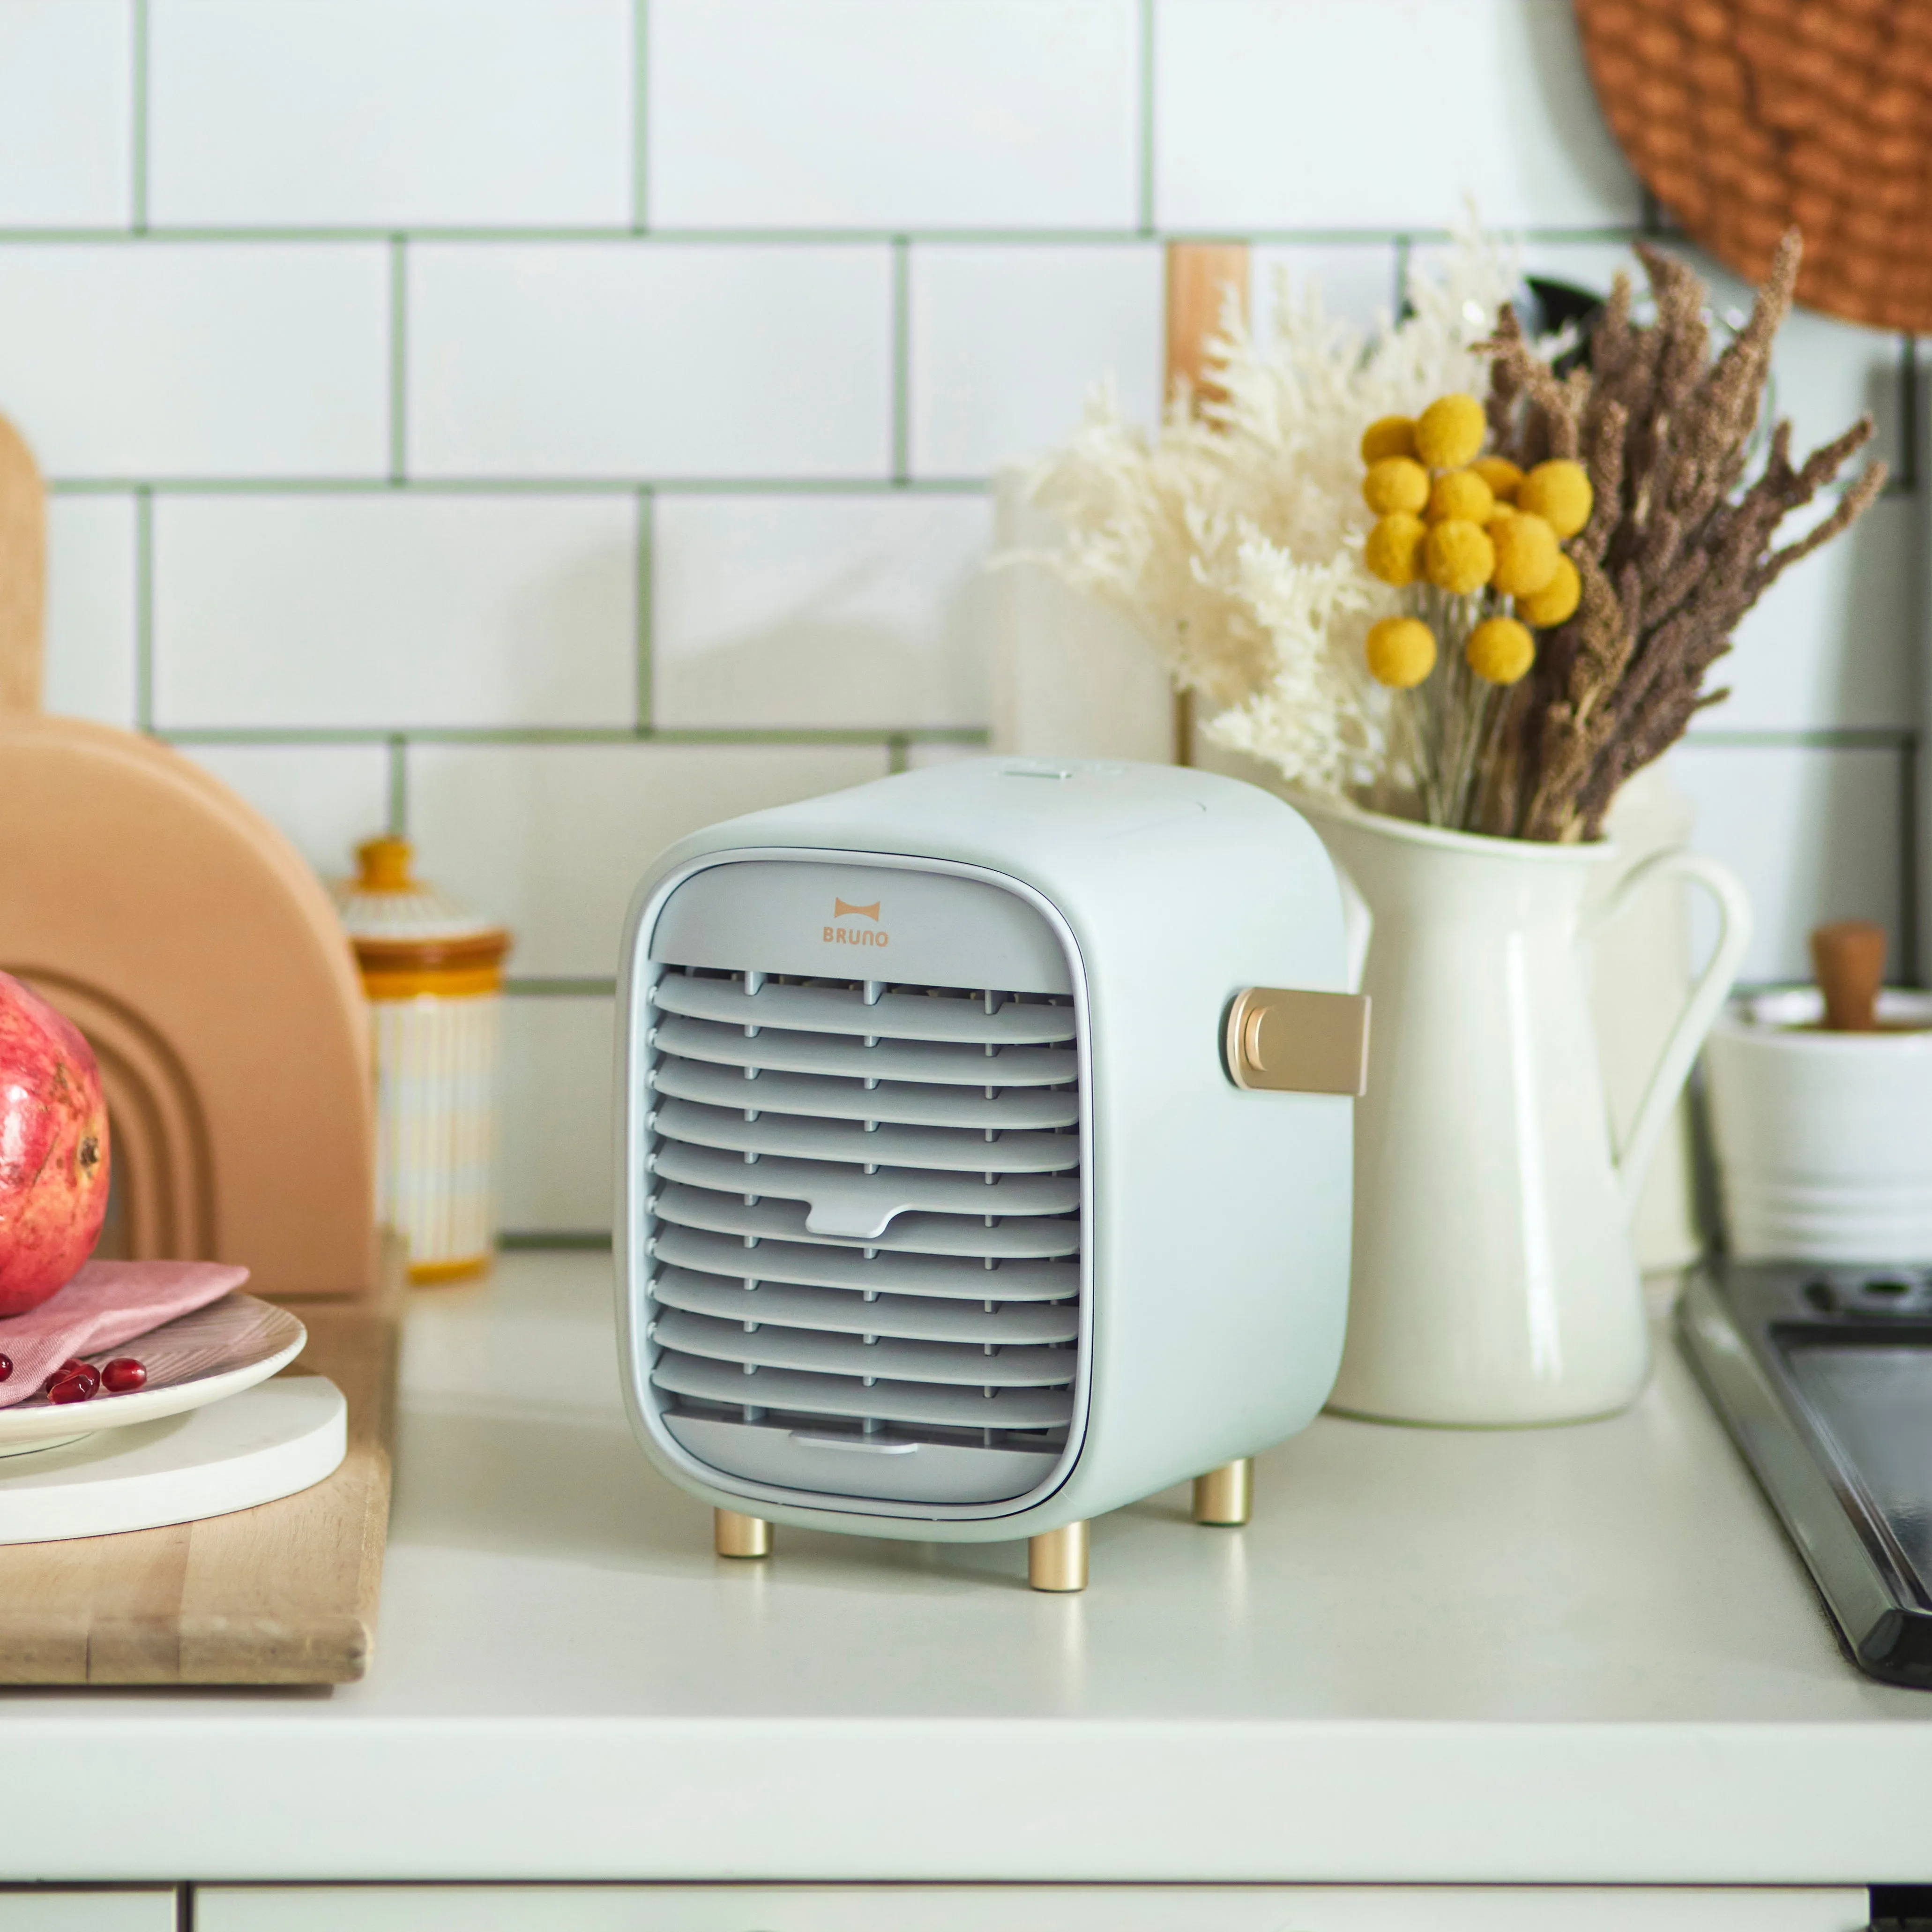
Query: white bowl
x,y
1823,1141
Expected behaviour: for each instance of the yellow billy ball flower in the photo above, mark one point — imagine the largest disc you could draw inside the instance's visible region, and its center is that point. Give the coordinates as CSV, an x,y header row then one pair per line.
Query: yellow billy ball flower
x,y
1501,474
1460,493
1500,649
1388,436
1396,483
1394,552
1450,431
1526,553
1557,599
1402,652
1559,492
1458,555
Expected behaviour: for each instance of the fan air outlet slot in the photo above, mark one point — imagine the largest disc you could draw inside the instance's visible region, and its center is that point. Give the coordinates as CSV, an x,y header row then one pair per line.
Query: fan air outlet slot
x,y
865,1230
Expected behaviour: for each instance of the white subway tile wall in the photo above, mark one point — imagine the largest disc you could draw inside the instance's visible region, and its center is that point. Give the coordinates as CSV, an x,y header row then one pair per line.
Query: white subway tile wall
x,y
844,613
326,798
1378,114
390,113
1814,832
216,360
93,608
295,612
554,838
627,358
544,426
1005,344
959,114
67,92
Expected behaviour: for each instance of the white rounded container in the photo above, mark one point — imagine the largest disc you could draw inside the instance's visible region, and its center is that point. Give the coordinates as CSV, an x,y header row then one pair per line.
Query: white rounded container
x,y
434,976
1823,1141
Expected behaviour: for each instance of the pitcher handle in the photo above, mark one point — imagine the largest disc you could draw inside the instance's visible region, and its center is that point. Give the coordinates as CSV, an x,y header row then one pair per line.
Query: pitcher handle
x,y
1700,1009
1358,927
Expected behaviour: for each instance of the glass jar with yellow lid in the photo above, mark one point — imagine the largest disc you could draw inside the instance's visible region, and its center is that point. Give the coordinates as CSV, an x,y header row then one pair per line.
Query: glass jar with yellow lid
x,y
434,976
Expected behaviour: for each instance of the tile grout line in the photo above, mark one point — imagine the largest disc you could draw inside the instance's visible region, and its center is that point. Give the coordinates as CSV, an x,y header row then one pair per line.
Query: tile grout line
x,y
641,72
901,361
1910,965
399,361
525,485
829,737
398,826
138,133
1144,79
780,238
144,610
644,576
1906,481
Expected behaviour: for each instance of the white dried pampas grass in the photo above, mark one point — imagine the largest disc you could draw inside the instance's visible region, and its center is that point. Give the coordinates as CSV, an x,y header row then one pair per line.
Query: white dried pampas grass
x,y
1234,537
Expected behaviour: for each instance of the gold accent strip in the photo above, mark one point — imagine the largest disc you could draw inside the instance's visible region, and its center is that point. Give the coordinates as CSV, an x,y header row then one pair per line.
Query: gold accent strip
x,y
734,1535
1281,1040
440,982
467,951
436,1274
1057,1560
1226,1497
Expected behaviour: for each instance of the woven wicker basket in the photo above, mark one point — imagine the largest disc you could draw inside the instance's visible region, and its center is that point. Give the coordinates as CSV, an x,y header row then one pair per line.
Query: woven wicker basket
x,y
1746,117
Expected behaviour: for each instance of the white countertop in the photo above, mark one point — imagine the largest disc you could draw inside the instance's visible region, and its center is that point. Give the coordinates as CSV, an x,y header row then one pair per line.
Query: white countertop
x,y
1572,1654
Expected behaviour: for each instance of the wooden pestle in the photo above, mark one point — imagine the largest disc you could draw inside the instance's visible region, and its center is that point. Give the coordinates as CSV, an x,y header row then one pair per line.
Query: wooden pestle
x,y
1848,960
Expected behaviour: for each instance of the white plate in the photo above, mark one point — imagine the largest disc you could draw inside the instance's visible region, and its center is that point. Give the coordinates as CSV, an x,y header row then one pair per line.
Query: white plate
x,y
266,1443
196,1358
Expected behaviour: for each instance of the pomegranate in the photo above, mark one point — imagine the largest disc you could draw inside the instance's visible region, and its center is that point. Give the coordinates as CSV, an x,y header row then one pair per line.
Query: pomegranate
x,y
53,1149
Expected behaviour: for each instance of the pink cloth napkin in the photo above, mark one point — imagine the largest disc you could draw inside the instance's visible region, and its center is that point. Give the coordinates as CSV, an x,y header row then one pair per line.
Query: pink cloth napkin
x,y
107,1303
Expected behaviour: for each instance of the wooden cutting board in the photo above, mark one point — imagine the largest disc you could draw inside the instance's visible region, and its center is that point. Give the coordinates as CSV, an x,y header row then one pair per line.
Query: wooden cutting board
x,y
284,1593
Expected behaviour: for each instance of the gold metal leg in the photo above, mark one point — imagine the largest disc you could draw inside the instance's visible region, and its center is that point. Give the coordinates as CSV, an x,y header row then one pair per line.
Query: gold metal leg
x,y
1057,1560
1225,1496
734,1535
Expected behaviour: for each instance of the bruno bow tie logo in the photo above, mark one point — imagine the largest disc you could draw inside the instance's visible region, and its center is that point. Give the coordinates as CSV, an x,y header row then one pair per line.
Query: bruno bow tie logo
x,y
847,936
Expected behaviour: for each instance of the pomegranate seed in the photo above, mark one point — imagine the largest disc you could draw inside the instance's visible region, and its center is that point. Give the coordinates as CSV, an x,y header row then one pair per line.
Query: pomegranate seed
x,y
124,1375
6,1367
72,1389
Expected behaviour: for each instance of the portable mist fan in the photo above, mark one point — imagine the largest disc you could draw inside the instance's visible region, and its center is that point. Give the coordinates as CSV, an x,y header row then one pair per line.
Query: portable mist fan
x,y
984,1152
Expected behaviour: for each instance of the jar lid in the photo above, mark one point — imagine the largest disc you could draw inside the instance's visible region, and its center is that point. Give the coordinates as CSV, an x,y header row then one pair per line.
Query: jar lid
x,y
395,919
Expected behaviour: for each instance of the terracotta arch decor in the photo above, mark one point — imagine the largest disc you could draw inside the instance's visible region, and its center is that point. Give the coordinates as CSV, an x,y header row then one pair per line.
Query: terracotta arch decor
x,y
188,940
1745,118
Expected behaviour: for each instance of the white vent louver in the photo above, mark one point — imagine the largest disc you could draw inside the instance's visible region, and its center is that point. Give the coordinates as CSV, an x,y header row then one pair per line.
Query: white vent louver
x,y
866,1199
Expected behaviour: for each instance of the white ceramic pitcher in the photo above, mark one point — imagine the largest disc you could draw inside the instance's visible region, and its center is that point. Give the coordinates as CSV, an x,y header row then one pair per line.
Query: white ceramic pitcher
x,y
1494,1283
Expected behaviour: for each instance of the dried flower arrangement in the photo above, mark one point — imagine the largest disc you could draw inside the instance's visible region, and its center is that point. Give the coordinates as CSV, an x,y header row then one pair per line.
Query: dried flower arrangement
x,y
1234,538
1675,551
1477,544
1611,512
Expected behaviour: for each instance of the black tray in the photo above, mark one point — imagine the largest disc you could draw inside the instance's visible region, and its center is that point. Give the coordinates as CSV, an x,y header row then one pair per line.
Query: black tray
x,y
1823,1375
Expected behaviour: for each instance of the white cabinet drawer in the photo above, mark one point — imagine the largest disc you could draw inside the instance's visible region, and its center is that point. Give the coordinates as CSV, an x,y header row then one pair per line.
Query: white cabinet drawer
x,y
49,1910
913,1908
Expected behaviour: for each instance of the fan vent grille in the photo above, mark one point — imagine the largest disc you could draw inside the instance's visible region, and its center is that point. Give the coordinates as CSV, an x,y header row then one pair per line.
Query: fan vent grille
x,y
865,1231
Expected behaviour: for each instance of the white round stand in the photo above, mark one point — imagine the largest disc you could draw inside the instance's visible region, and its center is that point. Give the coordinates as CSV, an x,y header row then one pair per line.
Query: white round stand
x,y
266,1442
